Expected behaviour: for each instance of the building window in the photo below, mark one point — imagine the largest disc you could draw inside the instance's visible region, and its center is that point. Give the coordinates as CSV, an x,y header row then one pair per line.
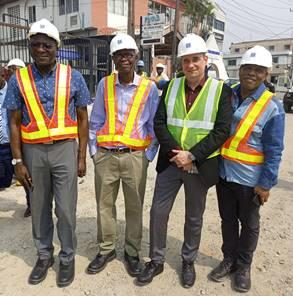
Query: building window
x,y
271,48
14,11
68,5
219,25
236,49
287,46
275,60
119,7
231,62
44,2
32,14
73,20
156,8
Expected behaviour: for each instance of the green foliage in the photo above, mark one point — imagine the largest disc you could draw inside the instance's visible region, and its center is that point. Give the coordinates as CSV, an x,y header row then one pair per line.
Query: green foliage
x,y
200,13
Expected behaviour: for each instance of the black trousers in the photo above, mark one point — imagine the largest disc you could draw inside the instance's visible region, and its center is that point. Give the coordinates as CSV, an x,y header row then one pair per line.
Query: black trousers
x,y
236,205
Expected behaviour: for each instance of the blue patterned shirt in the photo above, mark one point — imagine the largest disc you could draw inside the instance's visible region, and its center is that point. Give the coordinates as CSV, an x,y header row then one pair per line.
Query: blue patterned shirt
x,y
79,93
4,116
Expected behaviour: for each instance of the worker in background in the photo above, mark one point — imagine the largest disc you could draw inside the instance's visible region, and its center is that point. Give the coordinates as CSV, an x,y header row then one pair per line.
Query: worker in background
x,y
12,66
48,107
160,77
192,122
122,142
140,69
249,166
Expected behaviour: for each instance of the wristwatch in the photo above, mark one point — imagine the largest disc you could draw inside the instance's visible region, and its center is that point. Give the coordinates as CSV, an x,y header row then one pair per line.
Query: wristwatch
x,y
15,161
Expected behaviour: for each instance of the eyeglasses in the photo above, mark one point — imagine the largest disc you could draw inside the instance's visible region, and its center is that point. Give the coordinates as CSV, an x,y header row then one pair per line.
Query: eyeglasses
x,y
126,55
45,45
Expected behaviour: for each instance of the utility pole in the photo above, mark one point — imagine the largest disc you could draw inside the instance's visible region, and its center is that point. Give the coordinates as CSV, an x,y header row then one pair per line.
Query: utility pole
x,y
174,41
130,19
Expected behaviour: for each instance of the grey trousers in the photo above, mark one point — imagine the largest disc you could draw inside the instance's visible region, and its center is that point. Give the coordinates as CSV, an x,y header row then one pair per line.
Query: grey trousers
x,y
167,186
53,168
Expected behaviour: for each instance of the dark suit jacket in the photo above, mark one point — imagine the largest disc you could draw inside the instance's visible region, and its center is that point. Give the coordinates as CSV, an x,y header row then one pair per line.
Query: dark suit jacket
x,y
208,168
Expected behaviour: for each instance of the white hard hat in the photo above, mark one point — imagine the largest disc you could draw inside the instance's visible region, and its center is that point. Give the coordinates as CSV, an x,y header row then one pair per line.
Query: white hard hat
x,y
43,26
122,41
257,55
16,62
140,63
191,44
160,65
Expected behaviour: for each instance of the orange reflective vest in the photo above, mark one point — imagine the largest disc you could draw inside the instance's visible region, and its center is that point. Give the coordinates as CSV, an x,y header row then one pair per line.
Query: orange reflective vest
x,y
125,133
42,129
237,148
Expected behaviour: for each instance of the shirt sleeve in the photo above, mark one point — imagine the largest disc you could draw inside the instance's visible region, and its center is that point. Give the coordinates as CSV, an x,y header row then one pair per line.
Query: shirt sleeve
x,y
13,98
82,94
273,145
153,101
97,118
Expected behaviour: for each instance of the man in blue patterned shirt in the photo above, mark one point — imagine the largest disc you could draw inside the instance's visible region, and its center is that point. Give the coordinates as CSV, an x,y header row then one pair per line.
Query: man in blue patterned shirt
x,y
48,106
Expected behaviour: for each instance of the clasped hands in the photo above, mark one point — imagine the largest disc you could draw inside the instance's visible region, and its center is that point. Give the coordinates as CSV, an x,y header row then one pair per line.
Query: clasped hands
x,y
182,159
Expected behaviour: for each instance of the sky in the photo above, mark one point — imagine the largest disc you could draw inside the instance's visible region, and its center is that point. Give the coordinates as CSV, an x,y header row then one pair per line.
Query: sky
x,y
256,20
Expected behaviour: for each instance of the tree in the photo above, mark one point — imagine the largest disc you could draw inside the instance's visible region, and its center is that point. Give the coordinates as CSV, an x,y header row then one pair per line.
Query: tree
x,y
200,14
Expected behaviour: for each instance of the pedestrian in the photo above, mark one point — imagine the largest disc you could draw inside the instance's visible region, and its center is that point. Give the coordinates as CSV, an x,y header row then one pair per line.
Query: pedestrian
x,y
160,78
122,143
140,69
192,122
249,166
12,66
48,107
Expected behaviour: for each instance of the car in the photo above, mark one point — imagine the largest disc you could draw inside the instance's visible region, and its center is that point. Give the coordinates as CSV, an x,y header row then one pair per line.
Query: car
x,y
288,100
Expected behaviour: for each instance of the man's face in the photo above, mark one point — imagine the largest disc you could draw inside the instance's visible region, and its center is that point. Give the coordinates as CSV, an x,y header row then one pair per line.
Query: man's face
x,y
193,66
160,70
251,76
43,49
125,60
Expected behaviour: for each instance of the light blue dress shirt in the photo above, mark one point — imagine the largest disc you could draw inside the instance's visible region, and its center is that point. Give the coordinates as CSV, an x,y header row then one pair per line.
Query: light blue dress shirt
x,y
124,94
5,119
267,136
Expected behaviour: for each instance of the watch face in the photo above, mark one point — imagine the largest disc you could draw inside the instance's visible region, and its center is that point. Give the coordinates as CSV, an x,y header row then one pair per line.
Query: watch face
x,y
13,161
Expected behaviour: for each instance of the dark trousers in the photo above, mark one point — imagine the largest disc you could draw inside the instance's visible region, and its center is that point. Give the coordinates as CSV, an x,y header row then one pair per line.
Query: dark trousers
x,y
6,167
167,186
236,205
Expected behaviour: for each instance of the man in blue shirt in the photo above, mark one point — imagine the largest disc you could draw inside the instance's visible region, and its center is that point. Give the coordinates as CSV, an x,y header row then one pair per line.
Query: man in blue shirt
x,y
6,167
249,166
48,107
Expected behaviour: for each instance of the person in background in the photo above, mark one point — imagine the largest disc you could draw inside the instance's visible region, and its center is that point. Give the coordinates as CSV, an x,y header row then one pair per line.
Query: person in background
x,y
48,111
122,142
249,166
12,66
192,122
140,69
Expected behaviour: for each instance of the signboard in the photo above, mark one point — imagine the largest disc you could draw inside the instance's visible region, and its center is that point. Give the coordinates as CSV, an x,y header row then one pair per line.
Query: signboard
x,y
152,29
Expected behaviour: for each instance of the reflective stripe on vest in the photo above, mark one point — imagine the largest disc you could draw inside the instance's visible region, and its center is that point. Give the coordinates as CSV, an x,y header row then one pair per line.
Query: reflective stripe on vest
x,y
236,148
41,129
114,132
190,128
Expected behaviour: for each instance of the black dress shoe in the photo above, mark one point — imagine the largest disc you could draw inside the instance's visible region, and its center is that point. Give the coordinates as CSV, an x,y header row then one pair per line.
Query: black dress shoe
x,y
132,264
222,270
242,281
27,212
66,274
100,262
40,270
188,274
151,270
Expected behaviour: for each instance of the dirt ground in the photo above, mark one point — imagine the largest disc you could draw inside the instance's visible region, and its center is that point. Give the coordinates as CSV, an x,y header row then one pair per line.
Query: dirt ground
x,y
272,267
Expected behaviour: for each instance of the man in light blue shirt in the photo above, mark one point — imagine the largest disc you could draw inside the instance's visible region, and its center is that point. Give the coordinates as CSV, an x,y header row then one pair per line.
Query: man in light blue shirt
x,y
121,143
249,167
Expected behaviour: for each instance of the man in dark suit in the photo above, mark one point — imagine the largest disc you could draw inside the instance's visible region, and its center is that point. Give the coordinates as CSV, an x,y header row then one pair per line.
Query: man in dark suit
x,y
192,122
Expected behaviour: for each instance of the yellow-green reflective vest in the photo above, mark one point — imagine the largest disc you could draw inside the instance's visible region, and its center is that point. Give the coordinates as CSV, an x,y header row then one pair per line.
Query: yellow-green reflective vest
x,y
189,128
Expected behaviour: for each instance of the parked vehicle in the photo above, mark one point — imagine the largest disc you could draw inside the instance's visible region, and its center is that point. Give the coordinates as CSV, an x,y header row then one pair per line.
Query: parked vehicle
x,y
282,86
288,100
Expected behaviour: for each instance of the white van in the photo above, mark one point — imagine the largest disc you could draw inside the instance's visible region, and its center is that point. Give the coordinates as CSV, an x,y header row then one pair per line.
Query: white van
x,y
282,86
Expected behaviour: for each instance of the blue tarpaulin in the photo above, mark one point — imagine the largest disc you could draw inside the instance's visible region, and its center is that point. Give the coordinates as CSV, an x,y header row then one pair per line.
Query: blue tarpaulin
x,y
68,54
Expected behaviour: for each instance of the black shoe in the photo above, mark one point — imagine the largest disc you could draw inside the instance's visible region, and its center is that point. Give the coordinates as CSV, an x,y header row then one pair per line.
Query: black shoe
x,y
66,274
100,262
242,281
27,212
132,264
151,270
222,270
188,274
40,270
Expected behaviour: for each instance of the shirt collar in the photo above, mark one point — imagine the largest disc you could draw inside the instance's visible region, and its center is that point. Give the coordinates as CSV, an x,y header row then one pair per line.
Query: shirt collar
x,y
135,81
201,84
255,96
35,69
